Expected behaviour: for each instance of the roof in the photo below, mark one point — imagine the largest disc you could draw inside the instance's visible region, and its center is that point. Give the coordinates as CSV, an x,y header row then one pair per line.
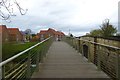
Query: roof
x,y
58,33
43,31
14,31
62,33
23,33
3,28
50,30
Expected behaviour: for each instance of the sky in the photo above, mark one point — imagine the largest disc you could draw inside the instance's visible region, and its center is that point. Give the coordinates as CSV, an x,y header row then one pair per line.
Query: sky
x,y
75,16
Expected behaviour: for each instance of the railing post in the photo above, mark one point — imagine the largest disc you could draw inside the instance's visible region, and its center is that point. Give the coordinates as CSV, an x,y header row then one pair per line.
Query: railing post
x,y
99,58
118,66
3,72
89,51
95,46
82,49
79,45
28,66
76,44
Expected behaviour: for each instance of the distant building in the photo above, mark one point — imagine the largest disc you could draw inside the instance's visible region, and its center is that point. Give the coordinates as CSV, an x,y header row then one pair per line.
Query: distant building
x,y
10,34
43,34
4,34
24,36
15,34
28,34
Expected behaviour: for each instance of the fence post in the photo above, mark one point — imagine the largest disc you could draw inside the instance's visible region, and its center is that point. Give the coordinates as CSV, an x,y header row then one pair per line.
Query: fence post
x,y
28,66
75,44
99,58
118,66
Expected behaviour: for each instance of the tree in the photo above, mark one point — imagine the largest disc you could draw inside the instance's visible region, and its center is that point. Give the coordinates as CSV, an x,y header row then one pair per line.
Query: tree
x,y
107,29
7,8
28,31
96,32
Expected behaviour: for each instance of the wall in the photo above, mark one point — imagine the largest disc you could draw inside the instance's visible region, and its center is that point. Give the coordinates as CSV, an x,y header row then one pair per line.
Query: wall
x,y
105,55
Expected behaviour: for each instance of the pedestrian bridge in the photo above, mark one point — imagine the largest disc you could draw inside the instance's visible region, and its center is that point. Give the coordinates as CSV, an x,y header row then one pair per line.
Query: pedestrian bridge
x,y
60,59
63,61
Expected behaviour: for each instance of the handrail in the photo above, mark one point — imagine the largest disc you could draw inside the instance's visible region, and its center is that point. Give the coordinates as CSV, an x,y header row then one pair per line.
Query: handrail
x,y
117,48
19,54
106,57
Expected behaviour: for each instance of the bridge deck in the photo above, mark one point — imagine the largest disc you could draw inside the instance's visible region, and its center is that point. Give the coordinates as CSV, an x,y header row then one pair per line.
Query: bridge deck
x,y
63,61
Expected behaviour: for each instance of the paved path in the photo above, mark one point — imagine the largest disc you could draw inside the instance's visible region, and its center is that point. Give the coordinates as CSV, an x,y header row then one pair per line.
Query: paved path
x,y
63,61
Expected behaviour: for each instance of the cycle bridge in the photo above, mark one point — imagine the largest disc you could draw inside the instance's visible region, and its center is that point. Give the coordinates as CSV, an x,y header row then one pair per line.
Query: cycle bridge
x,y
71,58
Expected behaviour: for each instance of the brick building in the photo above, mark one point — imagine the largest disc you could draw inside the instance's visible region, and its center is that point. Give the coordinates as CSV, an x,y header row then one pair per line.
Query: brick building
x,y
15,34
10,34
4,34
43,34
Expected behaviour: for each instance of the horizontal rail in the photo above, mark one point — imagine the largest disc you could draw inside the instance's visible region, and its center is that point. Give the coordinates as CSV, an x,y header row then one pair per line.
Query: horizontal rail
x,y
15,70
117,48
19,54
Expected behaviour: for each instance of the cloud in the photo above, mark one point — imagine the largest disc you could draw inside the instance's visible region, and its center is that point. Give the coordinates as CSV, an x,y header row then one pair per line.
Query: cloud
x,y
80,16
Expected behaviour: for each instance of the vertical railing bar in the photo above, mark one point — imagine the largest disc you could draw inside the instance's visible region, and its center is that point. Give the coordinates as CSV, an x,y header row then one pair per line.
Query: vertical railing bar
x,y
28,66
82,49
78,45
118,66
99,58
75,44
41,56
3,72
37,60
89,44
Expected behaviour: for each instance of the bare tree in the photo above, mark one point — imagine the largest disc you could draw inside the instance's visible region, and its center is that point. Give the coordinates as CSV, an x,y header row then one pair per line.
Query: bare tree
x,y
7,9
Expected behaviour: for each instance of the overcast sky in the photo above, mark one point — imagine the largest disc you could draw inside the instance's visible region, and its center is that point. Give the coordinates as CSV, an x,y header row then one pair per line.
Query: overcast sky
x,y
80,16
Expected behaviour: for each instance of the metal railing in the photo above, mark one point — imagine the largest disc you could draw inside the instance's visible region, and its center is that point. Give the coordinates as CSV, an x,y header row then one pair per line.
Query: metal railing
x,y
105,57
26,62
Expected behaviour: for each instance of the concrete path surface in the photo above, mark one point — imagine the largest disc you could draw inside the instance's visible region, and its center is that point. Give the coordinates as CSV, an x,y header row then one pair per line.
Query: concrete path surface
x,y
63,61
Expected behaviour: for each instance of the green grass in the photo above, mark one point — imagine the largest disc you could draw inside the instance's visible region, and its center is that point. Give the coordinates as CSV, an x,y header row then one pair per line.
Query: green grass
x,y
10,49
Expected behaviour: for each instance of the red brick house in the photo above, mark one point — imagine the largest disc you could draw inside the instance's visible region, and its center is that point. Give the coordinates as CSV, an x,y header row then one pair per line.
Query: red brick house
x,y
43,34
15,34
4,34
10,34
